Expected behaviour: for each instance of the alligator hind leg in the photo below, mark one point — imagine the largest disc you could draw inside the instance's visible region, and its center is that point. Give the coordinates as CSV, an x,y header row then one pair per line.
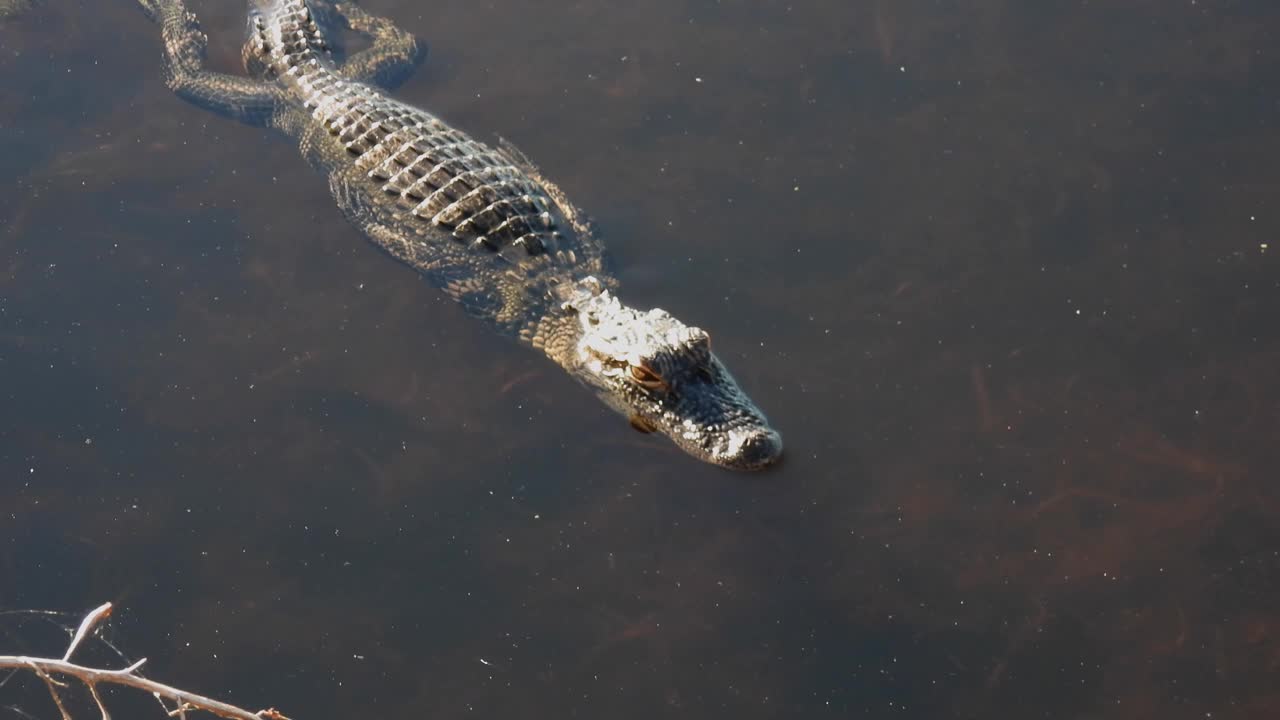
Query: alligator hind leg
x,y
389,60
245,100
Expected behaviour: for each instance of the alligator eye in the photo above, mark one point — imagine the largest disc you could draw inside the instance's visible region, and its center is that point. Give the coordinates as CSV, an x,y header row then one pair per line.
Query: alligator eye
x,y
647,377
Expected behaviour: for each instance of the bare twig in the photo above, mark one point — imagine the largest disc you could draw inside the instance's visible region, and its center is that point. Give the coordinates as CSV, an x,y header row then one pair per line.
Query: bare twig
x,y
20,712
53,690
93,690
94,617
46,668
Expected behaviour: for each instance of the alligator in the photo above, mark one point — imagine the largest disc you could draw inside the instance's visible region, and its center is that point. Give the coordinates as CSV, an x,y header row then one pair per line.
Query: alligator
x,y
479,221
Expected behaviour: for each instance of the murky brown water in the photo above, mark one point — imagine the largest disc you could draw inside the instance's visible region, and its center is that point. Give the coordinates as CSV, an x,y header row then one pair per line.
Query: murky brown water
x,y
1004,274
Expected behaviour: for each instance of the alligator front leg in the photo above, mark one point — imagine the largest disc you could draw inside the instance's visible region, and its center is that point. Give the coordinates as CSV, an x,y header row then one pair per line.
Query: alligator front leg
x,y
248,101
391,57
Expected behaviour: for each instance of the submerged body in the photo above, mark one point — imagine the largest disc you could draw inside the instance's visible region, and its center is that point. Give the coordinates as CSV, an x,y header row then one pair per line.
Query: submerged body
x,y
480,222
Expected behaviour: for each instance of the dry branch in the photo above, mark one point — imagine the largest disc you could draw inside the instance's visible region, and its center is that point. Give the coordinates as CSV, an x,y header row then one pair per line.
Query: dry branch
x,y
183,701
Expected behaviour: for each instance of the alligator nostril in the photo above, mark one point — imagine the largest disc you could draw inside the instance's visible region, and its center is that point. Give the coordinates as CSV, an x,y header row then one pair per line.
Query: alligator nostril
x,y
753,450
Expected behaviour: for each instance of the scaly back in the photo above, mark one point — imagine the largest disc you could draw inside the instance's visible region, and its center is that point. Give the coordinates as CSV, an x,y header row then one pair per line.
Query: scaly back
x,y
478,220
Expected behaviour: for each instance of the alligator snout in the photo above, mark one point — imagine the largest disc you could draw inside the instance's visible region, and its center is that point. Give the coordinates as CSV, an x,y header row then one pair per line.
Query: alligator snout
x,y
750,450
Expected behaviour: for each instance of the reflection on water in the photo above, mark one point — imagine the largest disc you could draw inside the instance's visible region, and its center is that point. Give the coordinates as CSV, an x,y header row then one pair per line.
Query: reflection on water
x,y
1003,275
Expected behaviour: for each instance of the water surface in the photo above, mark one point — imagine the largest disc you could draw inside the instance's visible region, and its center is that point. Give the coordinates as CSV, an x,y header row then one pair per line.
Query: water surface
x,y
1003,274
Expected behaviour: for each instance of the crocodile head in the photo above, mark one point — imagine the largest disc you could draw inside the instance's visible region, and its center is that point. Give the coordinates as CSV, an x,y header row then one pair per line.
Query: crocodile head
x,y
661,375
